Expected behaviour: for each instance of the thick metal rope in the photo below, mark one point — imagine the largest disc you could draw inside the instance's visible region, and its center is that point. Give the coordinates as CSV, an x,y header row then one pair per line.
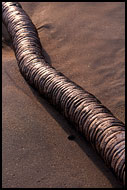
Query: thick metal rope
x,y
104,131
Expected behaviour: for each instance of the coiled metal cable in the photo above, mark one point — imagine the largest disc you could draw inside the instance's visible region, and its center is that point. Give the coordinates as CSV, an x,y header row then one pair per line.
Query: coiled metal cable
x,y
104,131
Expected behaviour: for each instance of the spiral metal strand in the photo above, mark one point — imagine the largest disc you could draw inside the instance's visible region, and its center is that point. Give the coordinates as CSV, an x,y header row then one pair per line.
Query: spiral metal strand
x,y
104,131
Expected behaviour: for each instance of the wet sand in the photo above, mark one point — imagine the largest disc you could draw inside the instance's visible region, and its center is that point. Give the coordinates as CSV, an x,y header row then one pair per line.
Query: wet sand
x,y
85,41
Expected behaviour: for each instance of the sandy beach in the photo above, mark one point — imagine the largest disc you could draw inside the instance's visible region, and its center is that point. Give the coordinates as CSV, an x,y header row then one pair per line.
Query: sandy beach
x,y
86,42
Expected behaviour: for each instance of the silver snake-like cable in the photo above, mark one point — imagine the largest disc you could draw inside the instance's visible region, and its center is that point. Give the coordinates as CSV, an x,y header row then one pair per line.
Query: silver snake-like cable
x,y
99,126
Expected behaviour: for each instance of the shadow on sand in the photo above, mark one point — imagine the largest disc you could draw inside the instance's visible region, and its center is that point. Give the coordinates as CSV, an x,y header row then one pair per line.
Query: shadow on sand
x,y
73,134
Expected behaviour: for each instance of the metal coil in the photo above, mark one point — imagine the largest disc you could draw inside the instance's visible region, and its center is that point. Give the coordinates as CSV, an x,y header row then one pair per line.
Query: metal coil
x,y
104,131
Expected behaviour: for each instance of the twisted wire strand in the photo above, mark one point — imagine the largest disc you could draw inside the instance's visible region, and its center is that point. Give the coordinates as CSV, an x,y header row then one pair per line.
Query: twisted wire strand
x,y
104,131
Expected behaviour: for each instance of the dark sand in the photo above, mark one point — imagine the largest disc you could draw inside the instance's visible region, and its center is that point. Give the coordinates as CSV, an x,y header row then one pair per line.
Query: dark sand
x,y
85,41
